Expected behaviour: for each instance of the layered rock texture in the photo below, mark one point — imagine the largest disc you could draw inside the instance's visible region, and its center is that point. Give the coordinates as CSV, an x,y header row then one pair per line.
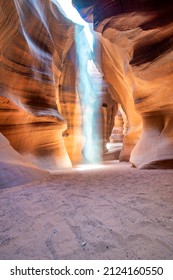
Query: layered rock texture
x,y
35,38
41,102
137,61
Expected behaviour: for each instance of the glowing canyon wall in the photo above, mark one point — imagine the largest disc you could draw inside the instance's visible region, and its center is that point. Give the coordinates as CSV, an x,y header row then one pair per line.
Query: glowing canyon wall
x,y
35,39
137,61
40,102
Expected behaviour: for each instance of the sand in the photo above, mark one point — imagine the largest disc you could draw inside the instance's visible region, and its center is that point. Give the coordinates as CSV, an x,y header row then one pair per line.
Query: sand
x,y
111,212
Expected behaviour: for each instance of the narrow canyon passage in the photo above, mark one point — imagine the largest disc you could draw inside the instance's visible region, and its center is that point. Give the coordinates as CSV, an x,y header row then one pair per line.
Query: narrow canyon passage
x,y
86,81
111,212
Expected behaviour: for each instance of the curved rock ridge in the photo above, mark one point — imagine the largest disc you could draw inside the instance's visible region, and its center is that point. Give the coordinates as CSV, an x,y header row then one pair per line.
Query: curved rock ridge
x,y
137,61
35,39
117,74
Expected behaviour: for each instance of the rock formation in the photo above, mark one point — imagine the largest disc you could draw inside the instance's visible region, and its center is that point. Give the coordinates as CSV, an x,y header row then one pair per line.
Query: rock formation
x,y
35,38
40,100
137,61
70,108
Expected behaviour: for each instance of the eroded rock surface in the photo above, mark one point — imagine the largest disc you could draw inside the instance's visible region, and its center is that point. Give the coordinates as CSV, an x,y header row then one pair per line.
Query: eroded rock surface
x,y
40,104
137,61
35,38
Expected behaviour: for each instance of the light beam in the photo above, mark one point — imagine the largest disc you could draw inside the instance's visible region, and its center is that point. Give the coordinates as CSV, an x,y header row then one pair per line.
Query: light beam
x,y
89,84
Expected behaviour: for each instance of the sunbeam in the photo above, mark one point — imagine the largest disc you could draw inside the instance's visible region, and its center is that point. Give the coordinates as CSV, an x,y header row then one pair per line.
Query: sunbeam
x,y
71,13
89,84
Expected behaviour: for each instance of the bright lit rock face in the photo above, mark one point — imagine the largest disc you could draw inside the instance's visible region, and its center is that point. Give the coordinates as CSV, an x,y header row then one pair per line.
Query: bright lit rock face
x,y
137,61
35,39
70,108
40,109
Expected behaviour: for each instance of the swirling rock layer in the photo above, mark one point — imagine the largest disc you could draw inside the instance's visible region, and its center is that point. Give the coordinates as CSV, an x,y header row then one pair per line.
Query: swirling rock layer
x,y
138,61
35,38
40,110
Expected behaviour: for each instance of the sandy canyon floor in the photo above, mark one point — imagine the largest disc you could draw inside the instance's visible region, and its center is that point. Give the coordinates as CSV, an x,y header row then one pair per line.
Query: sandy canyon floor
x,y
111,212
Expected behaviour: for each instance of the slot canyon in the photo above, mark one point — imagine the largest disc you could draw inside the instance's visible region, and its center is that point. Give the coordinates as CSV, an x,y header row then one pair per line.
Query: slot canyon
x,y
86,129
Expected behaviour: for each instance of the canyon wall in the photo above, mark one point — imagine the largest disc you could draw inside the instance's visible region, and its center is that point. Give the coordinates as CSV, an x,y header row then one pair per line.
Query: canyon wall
x,y
137,61
40,98
35,39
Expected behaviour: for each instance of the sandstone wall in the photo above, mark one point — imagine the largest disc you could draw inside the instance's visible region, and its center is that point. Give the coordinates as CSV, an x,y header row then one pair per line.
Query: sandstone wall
x,y
137,61
35,38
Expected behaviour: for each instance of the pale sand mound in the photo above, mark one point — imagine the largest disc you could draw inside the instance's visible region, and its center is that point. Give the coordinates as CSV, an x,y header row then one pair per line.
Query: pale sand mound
x,y
116,212
14,169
